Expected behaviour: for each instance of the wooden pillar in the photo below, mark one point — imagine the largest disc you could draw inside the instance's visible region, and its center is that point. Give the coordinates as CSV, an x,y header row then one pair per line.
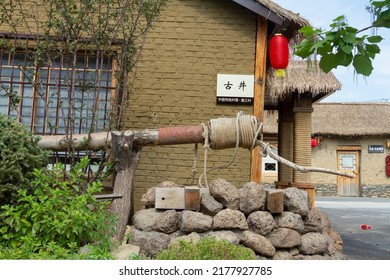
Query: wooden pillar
x,y
302,142
127,157
259,91
285,141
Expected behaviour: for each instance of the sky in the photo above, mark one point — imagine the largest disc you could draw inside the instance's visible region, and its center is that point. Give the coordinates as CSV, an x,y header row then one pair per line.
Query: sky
x,y
354,88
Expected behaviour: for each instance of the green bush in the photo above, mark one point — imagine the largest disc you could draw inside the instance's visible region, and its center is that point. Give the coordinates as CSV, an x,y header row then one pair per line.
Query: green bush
x,y
206,249
56,214
19,155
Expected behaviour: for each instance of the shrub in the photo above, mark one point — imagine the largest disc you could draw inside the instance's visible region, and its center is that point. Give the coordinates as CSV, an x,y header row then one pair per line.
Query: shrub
x,y
206,249
56,214
19,155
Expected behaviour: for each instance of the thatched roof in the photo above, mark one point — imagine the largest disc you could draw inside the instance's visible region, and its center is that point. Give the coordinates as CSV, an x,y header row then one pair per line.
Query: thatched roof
x,y
351,119
301,77
284,13
343,119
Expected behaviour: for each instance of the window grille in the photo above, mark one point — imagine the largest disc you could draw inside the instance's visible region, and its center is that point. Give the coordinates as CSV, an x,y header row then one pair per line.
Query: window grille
x,y
40,98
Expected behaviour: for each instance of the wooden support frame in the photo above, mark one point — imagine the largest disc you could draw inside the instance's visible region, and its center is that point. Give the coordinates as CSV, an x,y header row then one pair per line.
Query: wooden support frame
x,y
259,91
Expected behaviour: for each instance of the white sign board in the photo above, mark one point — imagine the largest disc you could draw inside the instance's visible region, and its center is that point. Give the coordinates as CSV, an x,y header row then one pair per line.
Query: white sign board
x,y
235,88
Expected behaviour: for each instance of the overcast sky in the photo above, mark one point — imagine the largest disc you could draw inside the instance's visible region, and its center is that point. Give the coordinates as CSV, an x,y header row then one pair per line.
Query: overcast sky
x,y
375,88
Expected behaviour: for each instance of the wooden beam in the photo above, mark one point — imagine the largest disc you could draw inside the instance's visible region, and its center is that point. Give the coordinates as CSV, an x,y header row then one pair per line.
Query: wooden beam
x,y
259,91
147,137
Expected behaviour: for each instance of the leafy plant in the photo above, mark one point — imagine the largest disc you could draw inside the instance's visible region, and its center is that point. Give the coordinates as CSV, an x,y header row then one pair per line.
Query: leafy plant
x,y
19,156
206,249
57,214
341,45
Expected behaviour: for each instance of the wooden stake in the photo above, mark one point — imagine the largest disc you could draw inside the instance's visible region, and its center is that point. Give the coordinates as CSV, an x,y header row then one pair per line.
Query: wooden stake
x,y
127,157
259,92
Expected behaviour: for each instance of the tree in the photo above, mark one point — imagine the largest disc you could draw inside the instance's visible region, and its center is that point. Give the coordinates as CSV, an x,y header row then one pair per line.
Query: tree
x,y
342,44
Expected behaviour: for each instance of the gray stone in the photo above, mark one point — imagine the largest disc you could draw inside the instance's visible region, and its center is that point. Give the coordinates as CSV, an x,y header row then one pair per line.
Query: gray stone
x,y
289,220
209,206
192,237
151,242
252,198
227,235
226,193
313,243
145,219
296,201
230,219
261,222
284,238
282,255
123,252
258,243
316,221
191,221
167,222
335,242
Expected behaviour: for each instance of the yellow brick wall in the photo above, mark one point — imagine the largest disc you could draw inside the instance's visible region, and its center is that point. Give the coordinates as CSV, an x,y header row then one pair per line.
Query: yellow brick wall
x,y
175,84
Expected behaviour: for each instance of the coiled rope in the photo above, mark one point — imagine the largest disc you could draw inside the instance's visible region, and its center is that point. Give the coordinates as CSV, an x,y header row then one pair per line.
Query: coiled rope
x,y
224,133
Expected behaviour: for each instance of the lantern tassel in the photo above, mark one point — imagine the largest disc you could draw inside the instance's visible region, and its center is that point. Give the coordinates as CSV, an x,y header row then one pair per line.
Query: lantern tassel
x,y
280,73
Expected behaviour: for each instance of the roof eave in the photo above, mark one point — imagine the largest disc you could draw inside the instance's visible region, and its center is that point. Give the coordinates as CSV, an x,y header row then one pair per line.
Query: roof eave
x,y
263,11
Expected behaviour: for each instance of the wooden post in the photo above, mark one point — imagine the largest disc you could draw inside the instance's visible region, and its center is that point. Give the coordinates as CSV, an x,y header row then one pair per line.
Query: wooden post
x,y
259,92
127,157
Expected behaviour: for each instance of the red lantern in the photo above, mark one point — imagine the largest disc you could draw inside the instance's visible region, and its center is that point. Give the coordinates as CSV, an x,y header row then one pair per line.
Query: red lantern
x,y
278,51
313,142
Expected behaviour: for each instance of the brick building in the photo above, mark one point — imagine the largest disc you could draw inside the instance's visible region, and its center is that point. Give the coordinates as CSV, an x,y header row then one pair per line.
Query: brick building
x,y
176,79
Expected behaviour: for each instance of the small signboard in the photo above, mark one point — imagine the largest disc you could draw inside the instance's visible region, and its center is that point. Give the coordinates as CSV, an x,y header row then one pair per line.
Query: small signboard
x,y
376,149
237,89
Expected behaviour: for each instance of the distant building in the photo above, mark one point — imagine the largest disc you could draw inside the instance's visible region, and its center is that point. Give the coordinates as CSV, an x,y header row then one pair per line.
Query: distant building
x,y
350,137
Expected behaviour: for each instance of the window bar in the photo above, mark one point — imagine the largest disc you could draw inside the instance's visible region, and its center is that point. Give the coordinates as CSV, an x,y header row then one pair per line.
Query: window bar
x,y
34,99
113,86
22,85
107,92
1,57
58,87
11,62
82,88
46,97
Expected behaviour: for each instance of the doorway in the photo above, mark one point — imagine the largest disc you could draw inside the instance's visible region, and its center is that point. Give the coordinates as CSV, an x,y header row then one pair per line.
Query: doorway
x,y
348,161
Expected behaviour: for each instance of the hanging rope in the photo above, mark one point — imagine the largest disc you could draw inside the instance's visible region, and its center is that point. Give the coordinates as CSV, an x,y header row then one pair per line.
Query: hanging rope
x,y
224,133
243,131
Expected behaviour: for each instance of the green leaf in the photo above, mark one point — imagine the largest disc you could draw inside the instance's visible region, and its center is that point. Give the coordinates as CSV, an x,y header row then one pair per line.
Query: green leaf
x,y
383,19
347,48
326,48
372,50
362,64
374,39
307,31
304,49
328,62
349,37
343,59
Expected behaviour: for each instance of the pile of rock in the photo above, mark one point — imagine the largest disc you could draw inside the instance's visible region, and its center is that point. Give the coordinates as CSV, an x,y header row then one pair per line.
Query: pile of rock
x,y
240,216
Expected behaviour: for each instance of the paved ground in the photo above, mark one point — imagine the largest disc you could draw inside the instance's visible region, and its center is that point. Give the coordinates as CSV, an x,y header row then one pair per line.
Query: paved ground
x,y
348,214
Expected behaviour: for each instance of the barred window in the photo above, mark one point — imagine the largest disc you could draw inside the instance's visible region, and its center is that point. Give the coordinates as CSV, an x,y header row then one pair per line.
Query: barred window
x,y
39,97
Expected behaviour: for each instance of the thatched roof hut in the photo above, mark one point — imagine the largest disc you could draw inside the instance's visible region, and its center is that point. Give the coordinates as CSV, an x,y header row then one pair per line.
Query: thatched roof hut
x,y
343,119
301,77
351,119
